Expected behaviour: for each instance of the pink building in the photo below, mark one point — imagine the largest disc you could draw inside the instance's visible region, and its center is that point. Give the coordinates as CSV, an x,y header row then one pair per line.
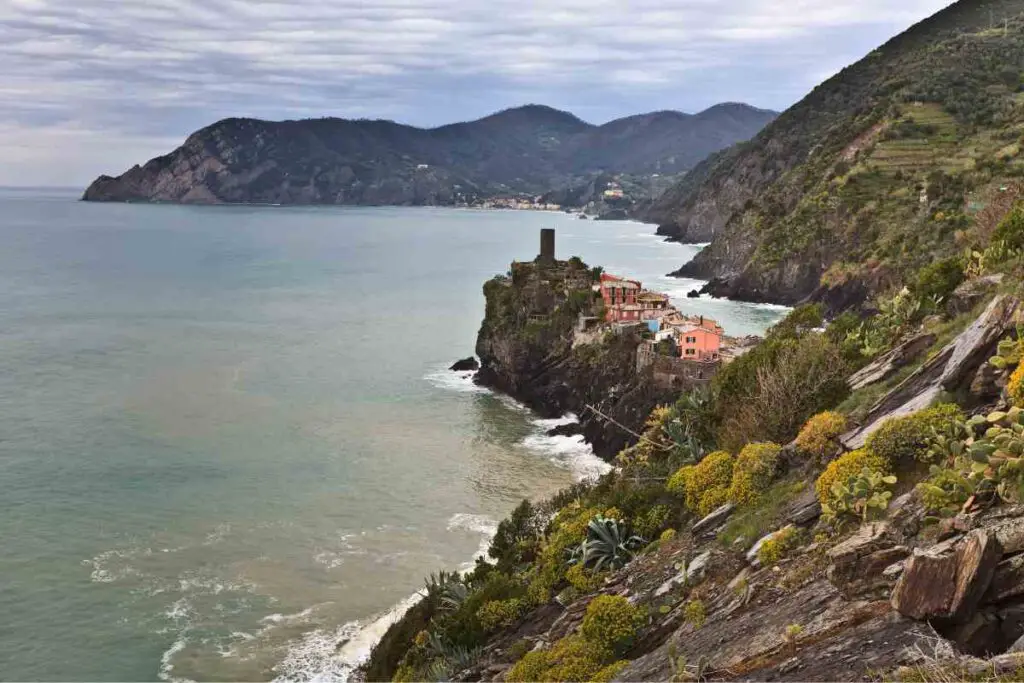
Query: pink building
x,y
627,301
699,339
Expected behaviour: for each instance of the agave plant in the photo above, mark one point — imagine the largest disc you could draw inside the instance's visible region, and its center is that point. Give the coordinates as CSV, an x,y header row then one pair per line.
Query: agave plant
x,y
449,589
608,545
448,659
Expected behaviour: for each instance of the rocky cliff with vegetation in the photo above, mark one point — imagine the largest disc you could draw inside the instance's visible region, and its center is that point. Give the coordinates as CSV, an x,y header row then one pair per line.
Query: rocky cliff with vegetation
x,y
531,149
909,155
526,349
845,503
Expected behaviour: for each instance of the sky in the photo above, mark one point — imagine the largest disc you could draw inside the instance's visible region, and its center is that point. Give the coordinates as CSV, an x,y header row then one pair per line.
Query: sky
x,y
95,86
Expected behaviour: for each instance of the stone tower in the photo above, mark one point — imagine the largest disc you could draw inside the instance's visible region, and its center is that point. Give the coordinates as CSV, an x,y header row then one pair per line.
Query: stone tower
x,y
547,246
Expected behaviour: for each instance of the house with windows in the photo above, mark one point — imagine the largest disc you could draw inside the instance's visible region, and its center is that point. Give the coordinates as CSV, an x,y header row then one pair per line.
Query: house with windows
x,y
626,301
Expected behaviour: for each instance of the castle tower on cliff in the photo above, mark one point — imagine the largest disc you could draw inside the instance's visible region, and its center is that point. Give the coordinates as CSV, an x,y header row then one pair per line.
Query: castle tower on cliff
x,y
547,246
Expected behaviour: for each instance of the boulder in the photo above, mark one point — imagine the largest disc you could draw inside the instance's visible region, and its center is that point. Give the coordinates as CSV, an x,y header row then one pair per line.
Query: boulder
x,y
693,294
465,365
571,429
714,520
977,559
938,583
1010,534
857,566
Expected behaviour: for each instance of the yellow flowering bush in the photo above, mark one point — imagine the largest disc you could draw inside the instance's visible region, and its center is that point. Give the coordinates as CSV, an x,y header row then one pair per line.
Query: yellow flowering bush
x,y
500,613
583,580
573,658
818,436
753,472
846,466
776,547
1015,386
902,439
612,622
705,485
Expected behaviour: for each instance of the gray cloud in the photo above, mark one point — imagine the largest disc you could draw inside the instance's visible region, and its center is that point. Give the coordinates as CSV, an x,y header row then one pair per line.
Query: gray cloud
x,y
96,85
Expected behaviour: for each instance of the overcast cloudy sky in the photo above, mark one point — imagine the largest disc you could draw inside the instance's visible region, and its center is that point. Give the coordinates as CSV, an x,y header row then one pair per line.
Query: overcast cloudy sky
x,y
94,86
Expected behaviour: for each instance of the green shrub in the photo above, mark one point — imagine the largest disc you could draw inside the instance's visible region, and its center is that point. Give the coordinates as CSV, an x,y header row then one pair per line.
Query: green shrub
x,y
819,436
694,613
572,658
901,440
776,547
704,485
861,497
612,622
1011,229
769,392
519,649
649,524
501,613
945,491
667,535
582,579
753,472
937,280
517,537
844,467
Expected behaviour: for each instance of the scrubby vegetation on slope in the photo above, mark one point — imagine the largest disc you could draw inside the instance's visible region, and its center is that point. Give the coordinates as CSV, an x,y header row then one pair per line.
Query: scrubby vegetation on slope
x,y
884,168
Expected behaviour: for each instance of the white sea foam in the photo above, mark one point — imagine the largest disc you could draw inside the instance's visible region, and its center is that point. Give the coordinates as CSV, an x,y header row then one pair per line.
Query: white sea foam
x,y
571,452
165,661
481,524
318,657
443,378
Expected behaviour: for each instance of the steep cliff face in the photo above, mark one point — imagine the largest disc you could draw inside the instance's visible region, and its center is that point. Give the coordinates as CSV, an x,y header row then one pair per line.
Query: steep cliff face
x,y
525,350
884,164
529,149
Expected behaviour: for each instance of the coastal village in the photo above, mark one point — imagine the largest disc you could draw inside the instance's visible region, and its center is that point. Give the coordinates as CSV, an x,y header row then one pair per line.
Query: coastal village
x,y
682,351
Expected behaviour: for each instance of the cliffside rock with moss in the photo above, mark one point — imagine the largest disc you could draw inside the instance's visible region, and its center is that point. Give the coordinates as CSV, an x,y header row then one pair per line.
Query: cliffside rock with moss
x,y
525,346
883,168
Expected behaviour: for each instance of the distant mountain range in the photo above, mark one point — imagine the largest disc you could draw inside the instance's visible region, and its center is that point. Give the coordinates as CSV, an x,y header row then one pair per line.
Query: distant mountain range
x,y
530,150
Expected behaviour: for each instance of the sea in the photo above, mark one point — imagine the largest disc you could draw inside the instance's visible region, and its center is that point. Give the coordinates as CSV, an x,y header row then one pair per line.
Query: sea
x,y
230,447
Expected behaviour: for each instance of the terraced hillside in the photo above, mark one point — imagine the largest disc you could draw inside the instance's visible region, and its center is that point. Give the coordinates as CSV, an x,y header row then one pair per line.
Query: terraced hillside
x,y
885,167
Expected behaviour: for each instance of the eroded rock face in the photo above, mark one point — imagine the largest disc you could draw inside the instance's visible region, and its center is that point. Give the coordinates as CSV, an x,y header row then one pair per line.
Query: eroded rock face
x,y
713,521
953,367
948,585
886,366
857,565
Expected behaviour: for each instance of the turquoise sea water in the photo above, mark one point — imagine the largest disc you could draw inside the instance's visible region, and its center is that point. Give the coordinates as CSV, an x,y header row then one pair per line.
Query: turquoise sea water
x,y
227,438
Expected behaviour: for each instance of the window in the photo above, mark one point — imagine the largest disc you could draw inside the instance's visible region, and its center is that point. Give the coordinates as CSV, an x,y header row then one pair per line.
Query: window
x,y
691,340
691,352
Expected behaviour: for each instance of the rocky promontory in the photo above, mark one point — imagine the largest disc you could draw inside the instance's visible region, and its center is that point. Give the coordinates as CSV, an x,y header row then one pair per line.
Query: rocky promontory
x,y
526,350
